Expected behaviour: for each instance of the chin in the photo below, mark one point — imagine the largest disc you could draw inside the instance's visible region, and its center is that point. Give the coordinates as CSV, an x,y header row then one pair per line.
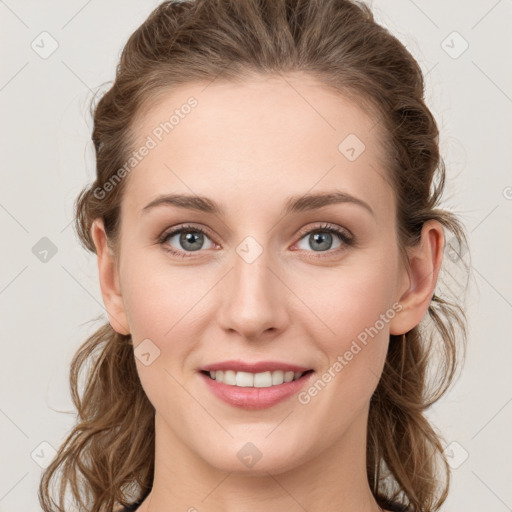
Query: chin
x,y
256,457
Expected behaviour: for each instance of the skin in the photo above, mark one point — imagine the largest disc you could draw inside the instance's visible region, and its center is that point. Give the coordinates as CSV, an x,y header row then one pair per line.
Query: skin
x,y
249,146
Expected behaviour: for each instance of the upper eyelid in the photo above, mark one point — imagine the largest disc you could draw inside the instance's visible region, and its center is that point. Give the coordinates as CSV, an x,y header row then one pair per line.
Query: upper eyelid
x,y
328,226
174,231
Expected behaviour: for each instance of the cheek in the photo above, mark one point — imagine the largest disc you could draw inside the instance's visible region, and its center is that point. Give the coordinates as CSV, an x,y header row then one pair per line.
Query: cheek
x,y
151,312
349,299
354,308
159,301
158,296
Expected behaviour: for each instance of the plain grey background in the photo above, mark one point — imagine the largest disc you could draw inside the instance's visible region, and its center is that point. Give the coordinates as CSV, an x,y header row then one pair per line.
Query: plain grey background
x,y
56,54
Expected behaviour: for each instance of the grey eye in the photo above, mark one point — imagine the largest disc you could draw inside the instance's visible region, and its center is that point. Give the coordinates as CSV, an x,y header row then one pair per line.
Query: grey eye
x,y
189,239
320,241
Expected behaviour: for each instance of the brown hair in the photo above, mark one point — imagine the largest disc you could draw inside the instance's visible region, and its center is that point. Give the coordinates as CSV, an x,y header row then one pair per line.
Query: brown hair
x,y
108,458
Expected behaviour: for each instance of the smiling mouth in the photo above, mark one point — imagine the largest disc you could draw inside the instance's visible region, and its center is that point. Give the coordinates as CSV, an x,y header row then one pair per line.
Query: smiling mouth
x,y
254,380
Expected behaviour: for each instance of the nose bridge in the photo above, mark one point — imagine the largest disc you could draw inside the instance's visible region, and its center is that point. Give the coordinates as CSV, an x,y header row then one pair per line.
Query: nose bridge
x,y
253,300
251,266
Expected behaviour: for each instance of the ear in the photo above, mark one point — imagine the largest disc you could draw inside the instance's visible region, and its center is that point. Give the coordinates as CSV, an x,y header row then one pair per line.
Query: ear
x,y
109,279
420,278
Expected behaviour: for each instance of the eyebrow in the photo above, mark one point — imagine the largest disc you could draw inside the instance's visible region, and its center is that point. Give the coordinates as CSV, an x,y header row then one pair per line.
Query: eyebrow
x,y
293,204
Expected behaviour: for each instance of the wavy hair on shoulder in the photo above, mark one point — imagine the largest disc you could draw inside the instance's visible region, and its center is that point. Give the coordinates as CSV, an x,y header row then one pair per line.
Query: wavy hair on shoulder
x,y
107,460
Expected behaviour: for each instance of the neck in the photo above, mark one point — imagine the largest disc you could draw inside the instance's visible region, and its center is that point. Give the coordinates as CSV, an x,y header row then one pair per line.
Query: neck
x,y
332,480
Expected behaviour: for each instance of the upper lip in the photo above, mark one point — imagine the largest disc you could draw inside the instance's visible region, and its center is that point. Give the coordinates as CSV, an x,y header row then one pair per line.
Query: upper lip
x,y
261,366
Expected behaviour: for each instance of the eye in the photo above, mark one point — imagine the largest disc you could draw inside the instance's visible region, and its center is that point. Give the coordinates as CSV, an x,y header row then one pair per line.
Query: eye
x,y
188,238
191,239
321,238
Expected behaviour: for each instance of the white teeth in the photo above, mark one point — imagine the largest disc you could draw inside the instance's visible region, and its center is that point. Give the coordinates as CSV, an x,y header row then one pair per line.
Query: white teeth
x,y
257,380
277,378
229,377
243,379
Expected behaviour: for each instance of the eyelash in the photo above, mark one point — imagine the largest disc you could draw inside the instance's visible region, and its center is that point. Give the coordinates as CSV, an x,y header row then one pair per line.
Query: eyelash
x,y
329,228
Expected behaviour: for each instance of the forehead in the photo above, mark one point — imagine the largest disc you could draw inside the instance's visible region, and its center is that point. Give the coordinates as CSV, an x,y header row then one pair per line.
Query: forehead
x,y
243,142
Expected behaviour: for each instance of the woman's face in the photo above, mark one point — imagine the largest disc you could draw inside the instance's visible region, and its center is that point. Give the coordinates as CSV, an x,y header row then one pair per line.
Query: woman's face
x,y
266,282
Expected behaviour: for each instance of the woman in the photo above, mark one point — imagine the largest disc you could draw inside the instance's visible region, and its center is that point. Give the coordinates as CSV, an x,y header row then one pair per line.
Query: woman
x,y
268,234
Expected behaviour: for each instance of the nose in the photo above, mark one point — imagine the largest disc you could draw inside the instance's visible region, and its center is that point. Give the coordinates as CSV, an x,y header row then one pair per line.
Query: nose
x,y
253,299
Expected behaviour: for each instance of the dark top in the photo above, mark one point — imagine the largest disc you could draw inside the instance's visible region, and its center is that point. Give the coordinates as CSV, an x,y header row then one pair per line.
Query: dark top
x,y
388,505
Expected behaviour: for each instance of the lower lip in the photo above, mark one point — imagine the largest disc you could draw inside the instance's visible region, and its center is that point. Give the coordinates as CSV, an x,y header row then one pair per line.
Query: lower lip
x,y
255,398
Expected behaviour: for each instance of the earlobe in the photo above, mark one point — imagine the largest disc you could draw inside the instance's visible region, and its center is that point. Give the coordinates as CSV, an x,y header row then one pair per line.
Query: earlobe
x,y
425,263
109,279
